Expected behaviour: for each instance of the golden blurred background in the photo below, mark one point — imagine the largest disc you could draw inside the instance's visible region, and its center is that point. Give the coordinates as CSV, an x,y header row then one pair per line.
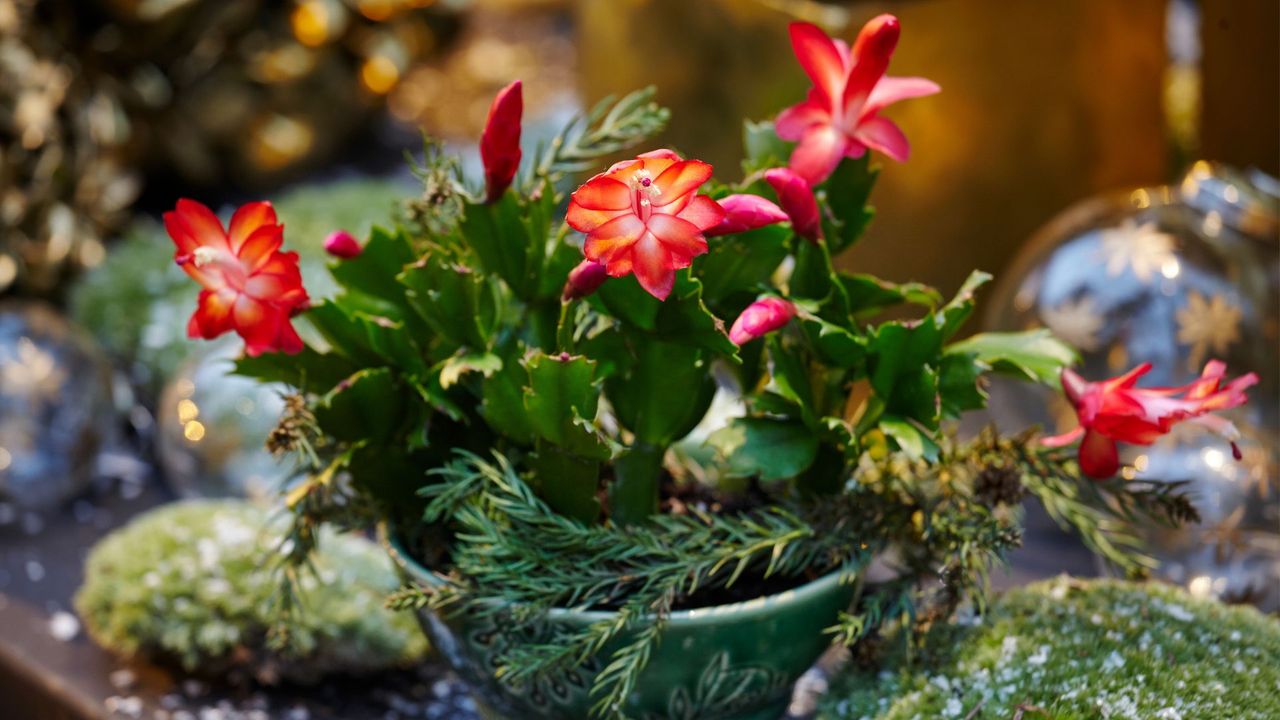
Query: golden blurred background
x,y
1043,103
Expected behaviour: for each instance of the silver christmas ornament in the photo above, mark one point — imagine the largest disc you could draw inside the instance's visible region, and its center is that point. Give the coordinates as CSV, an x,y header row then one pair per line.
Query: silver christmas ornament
x,y
56,410
1174,276
211,425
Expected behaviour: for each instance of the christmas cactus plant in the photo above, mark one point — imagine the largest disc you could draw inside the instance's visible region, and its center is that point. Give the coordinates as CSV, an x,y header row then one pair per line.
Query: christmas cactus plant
x,y
660,391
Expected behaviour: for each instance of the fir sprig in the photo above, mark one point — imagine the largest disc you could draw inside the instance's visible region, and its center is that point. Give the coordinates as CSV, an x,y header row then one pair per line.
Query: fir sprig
x,y
514,555
1105,514
937,522
612,125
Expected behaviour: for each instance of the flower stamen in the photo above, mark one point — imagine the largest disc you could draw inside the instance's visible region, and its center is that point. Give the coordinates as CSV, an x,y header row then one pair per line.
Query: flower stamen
x,y
204,255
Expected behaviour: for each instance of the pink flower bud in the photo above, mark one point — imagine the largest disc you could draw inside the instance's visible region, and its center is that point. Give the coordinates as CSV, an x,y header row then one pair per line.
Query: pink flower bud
x,y
500,142
796,197
342,244
760,318
584,280
746,212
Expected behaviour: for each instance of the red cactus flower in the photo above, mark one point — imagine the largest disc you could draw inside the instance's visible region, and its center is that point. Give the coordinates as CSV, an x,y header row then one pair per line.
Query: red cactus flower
x,y
796,196
1114,410
841,117
249,285
761,318
500,143
644,216
342,244
746,212
583,280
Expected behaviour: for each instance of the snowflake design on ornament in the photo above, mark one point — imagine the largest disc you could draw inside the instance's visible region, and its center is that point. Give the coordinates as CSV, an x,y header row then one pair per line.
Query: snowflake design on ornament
x,y
1257,476
1227,537
1207,324
1141,248
1077,322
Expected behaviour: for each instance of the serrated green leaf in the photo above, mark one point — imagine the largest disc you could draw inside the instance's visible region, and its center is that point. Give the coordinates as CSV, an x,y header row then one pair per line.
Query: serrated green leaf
x,y
624,299
561,259
813,277
764,149
664,394
958,387
790,378
367,406
869,294
768,448
458,365
900,348
953,315
391,340
455,302
500,238
568,483
900,363
846,193
561,402
383,257
1032,355
916,396
836,346
912,440
435,396
684,318
739,263
502,397
309,371
345,334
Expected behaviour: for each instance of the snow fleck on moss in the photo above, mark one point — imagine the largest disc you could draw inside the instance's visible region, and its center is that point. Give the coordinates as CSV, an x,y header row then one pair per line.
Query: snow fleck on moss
x,y
1041,656
1081,649
1177,612
1114,661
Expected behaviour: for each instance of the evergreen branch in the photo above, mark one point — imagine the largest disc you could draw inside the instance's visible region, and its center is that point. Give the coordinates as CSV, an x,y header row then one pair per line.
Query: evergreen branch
x,y
890,601
618,679
442,203
1137,501
950,521
409,597
513,554
610,127
1106,513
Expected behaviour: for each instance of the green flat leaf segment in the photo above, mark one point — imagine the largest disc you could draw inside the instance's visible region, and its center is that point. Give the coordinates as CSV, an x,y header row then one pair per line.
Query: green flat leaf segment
x,y
767,448
458,304
1034,355
561,403
458,365
664,393
366,407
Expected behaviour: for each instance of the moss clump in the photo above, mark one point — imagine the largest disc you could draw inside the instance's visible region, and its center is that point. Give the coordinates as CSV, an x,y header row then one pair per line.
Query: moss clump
x,y
1068,649
192,583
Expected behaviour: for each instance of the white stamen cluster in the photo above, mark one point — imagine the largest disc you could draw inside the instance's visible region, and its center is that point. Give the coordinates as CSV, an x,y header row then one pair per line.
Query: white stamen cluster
x,y
204,255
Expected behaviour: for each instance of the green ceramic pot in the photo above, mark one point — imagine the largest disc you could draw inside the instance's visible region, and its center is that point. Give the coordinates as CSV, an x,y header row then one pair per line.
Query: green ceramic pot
x,y
728,662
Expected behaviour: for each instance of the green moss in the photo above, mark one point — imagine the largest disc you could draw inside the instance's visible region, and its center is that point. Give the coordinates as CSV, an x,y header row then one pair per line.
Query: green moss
x,y
192,583
1076,649
138,301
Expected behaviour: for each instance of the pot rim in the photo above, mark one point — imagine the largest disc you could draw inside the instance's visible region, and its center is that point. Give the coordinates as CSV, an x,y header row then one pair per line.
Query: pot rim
x,y
744,609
